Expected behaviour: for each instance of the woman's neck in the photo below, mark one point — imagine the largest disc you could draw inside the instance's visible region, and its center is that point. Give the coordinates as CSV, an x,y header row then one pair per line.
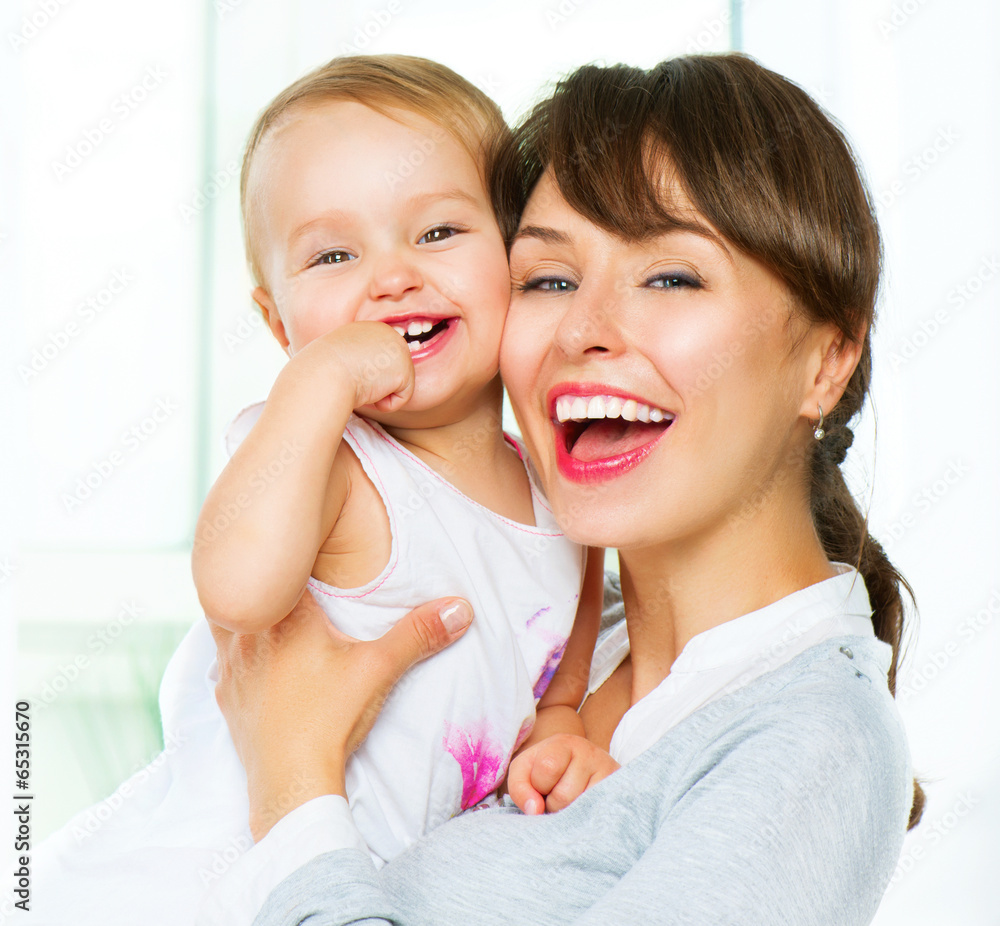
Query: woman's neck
x,y
673,592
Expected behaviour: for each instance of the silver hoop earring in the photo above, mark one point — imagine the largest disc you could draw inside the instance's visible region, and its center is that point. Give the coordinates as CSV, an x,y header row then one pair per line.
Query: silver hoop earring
x,y
818,431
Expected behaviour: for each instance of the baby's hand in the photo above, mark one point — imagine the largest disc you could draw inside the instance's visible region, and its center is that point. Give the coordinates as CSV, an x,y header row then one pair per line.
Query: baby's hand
x,y
375,359
555,772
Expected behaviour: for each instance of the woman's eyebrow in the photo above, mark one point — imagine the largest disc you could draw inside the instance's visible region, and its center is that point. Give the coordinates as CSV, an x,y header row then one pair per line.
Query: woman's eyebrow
x,y
541,233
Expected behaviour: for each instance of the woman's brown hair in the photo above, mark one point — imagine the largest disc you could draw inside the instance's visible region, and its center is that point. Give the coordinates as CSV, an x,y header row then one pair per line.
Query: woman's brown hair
x,y
775,176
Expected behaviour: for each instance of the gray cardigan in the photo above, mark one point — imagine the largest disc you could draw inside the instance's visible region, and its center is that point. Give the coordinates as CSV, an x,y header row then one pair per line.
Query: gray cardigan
x,y
784,802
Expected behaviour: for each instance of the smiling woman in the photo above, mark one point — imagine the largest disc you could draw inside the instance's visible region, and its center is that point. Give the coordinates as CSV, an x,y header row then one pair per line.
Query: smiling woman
x,y
695,262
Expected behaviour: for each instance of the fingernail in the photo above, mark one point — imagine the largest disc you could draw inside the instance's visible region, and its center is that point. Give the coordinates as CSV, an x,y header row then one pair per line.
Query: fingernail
x,y
532,807
456,616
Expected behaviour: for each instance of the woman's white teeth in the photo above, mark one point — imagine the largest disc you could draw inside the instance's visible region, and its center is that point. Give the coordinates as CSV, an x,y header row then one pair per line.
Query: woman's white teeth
x,y
579,408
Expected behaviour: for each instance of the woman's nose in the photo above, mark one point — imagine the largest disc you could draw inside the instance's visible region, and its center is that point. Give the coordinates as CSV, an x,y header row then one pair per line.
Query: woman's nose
x,y
591,324
394,275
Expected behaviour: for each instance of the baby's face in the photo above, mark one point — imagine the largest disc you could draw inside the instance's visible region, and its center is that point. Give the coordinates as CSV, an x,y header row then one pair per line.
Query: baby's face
x,y
364,218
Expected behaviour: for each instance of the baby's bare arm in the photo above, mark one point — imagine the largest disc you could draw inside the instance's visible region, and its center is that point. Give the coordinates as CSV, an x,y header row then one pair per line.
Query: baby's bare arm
x,y
279,497
557,708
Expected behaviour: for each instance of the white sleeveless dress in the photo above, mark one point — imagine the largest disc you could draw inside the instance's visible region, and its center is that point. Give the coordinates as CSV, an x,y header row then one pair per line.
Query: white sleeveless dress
x,y
441,744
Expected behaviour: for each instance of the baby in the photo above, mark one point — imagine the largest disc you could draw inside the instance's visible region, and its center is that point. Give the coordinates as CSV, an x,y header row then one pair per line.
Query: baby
x,y
375,477
383,274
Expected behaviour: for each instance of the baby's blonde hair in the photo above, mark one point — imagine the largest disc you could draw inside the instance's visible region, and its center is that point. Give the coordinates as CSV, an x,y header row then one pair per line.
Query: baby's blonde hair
x,y
385,83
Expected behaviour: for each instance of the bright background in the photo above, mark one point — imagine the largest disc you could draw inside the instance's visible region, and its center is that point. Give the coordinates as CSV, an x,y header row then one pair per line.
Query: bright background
x,y
120,138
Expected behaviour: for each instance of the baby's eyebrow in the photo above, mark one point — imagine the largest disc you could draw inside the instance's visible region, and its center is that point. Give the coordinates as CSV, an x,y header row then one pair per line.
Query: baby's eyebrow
x,y
432,196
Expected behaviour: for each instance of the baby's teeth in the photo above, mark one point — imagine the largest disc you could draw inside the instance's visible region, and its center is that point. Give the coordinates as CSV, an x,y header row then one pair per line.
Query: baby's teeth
x,y
414,328
612,406
564,405
578,408
595,409
642,413
414,345
399,329
630,410
426,326
655,414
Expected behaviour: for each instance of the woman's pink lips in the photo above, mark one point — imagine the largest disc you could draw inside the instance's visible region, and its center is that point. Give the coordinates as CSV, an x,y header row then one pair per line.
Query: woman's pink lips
x,y
605,469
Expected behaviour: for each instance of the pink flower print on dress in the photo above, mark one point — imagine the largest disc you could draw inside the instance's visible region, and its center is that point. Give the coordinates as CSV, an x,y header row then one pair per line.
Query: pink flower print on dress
x,y
481,758
557,648
549,669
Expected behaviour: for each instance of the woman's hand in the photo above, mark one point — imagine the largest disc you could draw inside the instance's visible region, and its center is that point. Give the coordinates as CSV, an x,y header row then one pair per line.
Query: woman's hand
x,y
555,772
301,697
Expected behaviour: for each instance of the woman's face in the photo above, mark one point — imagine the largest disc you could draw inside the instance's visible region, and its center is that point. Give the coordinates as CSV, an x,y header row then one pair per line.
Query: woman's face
x,y
659,384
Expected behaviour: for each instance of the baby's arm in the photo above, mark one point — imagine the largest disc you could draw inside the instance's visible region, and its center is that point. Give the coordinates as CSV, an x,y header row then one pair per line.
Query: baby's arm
x,y
556,763
280,495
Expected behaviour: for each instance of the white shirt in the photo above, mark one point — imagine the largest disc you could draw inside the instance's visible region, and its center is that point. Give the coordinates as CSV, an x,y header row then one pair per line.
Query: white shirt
x,y
713,663
723,658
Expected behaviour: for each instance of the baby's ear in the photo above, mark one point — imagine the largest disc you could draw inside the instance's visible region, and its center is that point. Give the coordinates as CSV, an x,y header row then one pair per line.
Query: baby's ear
x,y
271,317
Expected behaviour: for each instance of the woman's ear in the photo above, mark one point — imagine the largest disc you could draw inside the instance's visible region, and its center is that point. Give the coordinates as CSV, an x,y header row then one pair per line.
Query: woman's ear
x,y
270,312
837,357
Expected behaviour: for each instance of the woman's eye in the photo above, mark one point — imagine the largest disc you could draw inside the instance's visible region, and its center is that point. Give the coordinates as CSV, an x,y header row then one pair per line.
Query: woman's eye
x,y
441,233
547,285
332,257
674,281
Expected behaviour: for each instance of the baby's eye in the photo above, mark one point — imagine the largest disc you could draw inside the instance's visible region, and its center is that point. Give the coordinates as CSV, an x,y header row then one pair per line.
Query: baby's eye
x,y
440,233
332,257
674,280
547,285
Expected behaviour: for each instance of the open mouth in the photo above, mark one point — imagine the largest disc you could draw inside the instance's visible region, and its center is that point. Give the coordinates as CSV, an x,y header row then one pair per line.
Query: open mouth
x,y
601,436
419,332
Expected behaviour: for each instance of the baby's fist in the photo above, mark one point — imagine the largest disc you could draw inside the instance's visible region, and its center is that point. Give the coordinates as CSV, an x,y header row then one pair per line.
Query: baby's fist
x,y
555,772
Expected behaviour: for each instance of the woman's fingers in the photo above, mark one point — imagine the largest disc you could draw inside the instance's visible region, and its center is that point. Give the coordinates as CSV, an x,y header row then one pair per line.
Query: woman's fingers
x,y
421,633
